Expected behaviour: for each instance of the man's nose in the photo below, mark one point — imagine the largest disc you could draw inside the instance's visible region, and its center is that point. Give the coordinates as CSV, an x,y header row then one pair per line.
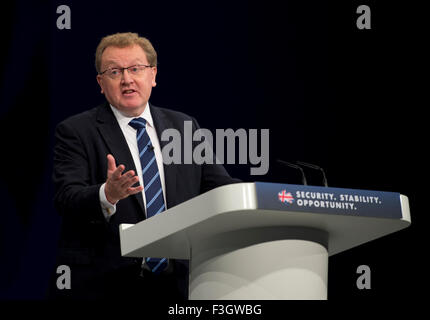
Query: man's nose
x,y
125,77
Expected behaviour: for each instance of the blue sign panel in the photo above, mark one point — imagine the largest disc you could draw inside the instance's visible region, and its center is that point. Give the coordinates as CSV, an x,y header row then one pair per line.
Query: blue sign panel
x,y
352,202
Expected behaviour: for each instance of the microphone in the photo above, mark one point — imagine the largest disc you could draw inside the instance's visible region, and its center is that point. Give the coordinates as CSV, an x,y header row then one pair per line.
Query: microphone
x,y
285,163
151,147
313,166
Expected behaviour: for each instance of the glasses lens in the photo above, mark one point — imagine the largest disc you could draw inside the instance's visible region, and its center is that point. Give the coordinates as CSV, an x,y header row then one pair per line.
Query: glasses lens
x,y
114,73
136,70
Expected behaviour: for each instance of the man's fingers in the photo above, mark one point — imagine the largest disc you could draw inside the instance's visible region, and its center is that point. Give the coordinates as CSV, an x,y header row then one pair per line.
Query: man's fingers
x,y
118,185
125,178
134,190
117,173
111,162
129,181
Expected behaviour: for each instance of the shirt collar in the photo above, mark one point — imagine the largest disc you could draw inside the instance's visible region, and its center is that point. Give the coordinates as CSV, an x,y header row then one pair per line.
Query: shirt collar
x,y
123,120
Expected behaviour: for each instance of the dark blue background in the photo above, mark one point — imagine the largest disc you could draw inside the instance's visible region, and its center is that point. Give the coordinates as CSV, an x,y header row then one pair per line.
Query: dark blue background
x,y
329,93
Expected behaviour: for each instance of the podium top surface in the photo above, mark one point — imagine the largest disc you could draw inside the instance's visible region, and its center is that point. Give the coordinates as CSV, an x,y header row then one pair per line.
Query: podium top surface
x,y
350,217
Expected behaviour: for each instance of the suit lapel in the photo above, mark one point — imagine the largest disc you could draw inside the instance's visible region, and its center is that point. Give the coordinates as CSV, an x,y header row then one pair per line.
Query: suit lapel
x,y
161,123
111,132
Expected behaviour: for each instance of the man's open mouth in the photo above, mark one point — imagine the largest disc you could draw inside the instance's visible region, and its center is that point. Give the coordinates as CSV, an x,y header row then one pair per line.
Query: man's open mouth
x,y
128,91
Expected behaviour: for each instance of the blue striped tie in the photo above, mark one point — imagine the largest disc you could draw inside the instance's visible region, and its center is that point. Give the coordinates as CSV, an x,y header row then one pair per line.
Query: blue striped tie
x,y
152,183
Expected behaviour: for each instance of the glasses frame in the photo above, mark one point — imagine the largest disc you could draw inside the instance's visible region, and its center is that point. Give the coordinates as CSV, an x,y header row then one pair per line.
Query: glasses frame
x,y
126,68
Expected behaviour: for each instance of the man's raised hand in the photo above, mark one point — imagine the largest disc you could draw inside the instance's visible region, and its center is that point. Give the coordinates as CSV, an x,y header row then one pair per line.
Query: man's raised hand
x,y
119,186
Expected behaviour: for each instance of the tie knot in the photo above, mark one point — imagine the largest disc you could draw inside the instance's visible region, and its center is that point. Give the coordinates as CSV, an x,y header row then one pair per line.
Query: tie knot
x,y
138,123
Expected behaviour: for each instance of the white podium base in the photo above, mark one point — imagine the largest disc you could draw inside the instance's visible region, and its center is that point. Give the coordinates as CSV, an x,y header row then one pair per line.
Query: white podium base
x,y
282,269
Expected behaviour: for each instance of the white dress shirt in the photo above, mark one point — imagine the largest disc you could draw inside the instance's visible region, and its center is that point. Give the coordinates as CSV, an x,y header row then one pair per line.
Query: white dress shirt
x,y
130,136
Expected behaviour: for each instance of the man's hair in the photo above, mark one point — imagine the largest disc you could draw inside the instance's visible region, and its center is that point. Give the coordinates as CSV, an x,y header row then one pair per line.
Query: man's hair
x,y
123,40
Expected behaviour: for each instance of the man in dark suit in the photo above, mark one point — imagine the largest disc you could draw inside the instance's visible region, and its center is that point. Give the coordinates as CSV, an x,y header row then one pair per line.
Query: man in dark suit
x,y
101,179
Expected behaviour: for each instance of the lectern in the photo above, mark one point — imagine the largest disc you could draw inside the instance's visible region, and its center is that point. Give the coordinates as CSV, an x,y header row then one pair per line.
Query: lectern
x,y
265,240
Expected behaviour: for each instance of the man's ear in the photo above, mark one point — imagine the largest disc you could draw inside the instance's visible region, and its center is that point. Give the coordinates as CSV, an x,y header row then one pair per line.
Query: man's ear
x,y
99,81
154,74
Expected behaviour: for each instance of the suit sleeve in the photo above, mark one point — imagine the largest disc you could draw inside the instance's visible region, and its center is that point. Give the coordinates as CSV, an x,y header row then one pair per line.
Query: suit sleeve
x,y
74,195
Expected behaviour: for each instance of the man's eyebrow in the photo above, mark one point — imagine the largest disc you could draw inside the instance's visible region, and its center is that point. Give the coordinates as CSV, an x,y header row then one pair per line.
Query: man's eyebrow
x,y
111,63
114,64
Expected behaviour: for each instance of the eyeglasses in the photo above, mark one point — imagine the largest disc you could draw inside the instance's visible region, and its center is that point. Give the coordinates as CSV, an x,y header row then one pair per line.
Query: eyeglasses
x,y
115,73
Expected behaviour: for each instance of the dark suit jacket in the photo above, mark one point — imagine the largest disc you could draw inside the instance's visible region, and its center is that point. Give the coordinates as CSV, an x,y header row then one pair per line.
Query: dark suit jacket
x,y
89,244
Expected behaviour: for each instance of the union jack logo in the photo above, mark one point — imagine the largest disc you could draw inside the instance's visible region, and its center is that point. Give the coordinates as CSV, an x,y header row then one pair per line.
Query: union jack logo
x,y
285,196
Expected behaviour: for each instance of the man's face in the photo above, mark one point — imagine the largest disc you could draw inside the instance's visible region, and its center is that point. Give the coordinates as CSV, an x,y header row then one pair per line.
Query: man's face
x,y
129,93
